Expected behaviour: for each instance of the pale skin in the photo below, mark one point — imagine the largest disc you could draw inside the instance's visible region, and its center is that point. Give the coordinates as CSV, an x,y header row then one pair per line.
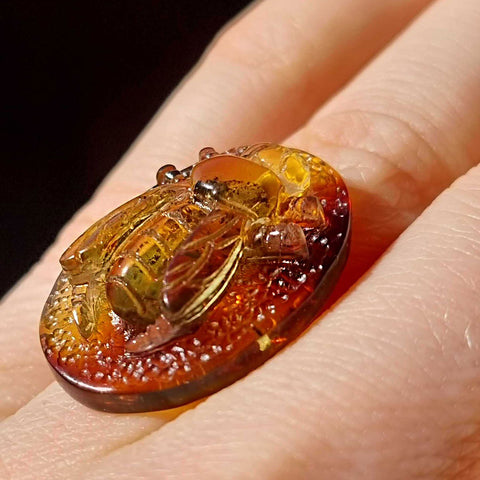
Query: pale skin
x,y
387,384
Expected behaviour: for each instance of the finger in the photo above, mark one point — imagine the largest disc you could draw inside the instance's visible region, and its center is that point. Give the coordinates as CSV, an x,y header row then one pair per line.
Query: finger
x,y
73,419
388,386
261,80
399,352
71,429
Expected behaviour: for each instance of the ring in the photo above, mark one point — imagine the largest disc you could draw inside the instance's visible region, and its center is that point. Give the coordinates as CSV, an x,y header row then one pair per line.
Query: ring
x,y
190,286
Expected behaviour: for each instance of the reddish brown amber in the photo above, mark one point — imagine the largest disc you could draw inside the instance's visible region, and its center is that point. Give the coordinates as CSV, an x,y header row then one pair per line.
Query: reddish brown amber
x,y
190,286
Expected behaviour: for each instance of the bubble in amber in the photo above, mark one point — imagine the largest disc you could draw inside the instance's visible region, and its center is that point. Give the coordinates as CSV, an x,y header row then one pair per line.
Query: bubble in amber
x,y
193,284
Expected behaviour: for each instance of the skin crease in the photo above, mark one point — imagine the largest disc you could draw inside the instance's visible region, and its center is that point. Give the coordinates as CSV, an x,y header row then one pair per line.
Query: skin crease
x,y
387,385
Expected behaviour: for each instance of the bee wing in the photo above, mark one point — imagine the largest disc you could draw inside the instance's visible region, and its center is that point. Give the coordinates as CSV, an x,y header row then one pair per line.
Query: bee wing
x,y
89,252
200,271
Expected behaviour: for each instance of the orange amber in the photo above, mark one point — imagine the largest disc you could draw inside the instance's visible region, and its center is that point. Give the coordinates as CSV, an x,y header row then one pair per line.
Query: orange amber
x,y
196,282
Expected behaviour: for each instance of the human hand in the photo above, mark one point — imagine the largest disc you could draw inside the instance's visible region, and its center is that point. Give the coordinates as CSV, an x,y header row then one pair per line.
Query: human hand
x,y
387,385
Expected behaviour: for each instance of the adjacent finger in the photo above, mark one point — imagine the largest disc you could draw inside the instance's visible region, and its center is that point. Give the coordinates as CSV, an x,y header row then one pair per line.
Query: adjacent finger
x,y
265,76
63,418
261,80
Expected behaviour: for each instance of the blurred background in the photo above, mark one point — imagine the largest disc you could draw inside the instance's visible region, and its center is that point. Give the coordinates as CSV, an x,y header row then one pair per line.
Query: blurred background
x,y
81,80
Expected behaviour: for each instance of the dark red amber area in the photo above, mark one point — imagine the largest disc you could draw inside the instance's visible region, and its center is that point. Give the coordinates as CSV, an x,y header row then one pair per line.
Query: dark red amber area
x,y
193,284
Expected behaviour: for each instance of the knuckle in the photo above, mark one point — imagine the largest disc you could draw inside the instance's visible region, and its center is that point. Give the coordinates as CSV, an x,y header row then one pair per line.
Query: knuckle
x,y
255,43
392,155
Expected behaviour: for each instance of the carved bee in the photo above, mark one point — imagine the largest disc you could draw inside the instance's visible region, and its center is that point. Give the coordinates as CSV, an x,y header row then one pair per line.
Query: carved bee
x,y
189,286
171,253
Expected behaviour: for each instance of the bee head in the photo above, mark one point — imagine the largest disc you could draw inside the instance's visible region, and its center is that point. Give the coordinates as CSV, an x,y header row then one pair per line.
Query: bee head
x,y
208,192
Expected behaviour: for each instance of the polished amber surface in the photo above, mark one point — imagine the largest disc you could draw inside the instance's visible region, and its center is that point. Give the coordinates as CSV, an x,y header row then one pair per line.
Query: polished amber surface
x,y
191,285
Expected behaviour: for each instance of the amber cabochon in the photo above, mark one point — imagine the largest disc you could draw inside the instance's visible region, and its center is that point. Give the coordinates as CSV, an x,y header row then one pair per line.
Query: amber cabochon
x,y
191,285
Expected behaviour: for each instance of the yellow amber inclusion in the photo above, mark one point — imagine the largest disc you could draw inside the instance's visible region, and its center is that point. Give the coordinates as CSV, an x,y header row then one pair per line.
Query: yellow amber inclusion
x,y
189,286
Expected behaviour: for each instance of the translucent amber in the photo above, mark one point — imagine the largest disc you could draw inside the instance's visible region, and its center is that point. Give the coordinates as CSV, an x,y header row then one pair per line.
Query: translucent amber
x,y
196,282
